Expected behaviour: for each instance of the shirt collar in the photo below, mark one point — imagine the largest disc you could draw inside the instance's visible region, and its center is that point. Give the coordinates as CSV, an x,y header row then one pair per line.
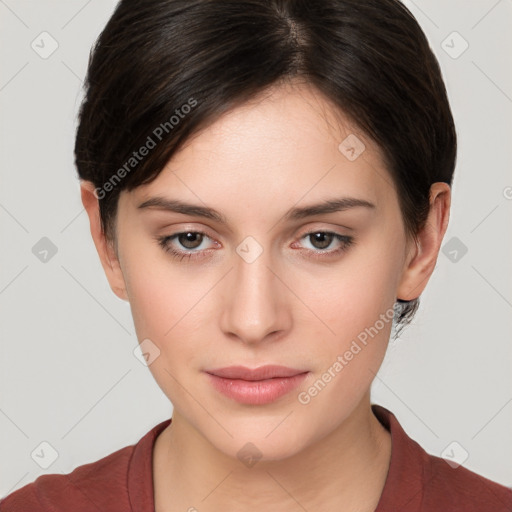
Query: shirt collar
x,y
403,489
140,471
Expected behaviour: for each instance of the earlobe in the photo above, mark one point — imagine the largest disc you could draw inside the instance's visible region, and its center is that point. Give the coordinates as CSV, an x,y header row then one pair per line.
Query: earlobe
x,y
108,257
422,260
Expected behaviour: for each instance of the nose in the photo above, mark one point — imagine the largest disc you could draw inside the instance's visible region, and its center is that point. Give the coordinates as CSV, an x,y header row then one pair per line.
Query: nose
x,y
254,308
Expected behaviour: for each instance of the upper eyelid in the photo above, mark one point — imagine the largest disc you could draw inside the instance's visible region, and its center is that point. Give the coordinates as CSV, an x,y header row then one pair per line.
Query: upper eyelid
x,y
334,230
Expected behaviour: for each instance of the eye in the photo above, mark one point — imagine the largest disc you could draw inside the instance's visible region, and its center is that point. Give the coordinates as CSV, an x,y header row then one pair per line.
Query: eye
x,y
189,244
185,244
322,240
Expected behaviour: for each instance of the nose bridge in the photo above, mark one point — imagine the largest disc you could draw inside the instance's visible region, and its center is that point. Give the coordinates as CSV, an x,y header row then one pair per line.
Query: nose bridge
x,y
253,307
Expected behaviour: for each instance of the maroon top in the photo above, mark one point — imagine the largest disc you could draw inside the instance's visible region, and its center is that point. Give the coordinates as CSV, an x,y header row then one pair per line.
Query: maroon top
x,y
123,482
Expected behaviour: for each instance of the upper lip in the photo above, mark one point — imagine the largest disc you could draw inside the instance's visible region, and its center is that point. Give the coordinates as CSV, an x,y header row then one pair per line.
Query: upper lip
x,y
260,373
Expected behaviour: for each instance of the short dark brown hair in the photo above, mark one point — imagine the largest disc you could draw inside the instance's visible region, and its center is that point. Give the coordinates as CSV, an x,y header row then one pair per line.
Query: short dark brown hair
x,y
163,69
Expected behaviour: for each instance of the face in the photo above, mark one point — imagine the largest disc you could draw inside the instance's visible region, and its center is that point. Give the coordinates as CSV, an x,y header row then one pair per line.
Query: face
x,y
264,281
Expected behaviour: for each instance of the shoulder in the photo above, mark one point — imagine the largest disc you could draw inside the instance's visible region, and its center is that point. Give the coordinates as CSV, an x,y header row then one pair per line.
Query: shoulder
x,y
458,488
118,482
418,481
99,485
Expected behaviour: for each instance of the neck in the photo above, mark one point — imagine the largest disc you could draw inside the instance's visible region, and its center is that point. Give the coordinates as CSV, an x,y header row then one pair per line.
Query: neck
x,y
346,469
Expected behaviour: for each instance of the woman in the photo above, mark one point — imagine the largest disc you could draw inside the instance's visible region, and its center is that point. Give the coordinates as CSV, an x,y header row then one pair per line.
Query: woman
x,y
268,186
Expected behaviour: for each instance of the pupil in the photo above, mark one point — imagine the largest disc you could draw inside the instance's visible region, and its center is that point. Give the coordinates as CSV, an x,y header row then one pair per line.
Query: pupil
x,y
323,238
187,240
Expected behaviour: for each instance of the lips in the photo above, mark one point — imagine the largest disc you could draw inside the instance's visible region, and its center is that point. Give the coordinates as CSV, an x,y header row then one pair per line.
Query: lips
x,y
261,373
256,386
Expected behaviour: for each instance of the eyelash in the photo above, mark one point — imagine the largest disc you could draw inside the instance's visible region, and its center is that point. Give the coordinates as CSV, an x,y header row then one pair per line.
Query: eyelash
x,y
163,241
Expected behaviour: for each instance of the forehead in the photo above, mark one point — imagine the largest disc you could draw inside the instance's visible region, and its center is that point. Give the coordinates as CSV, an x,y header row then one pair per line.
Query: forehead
x,y
287,145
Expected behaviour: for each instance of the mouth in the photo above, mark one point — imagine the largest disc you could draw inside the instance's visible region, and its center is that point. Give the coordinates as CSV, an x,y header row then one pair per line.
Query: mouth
x,y
256,386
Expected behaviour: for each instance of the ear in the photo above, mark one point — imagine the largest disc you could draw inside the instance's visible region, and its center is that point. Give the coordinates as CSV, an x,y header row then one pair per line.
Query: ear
x,y
422,258
106,251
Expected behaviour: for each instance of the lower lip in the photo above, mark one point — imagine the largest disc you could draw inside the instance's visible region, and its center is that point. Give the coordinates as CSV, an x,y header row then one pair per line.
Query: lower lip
x,y
257,392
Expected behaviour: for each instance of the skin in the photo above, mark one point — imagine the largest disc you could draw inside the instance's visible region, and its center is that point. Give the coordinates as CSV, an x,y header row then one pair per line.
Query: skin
x,y
287,307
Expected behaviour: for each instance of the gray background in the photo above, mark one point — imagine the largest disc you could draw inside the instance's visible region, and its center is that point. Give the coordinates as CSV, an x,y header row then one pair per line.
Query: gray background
x,y
68,375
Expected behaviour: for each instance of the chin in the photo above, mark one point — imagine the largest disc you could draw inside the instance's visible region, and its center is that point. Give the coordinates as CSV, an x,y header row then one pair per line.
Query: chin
x,y
251,453
258,443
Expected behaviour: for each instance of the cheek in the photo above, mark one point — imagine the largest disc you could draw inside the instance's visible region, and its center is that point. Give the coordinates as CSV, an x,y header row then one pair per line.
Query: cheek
x,y
169,306
167,309
159,293
355,303
354,295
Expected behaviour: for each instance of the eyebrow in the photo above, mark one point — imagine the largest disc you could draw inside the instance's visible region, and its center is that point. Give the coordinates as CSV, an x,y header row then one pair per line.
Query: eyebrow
x,y
296,213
